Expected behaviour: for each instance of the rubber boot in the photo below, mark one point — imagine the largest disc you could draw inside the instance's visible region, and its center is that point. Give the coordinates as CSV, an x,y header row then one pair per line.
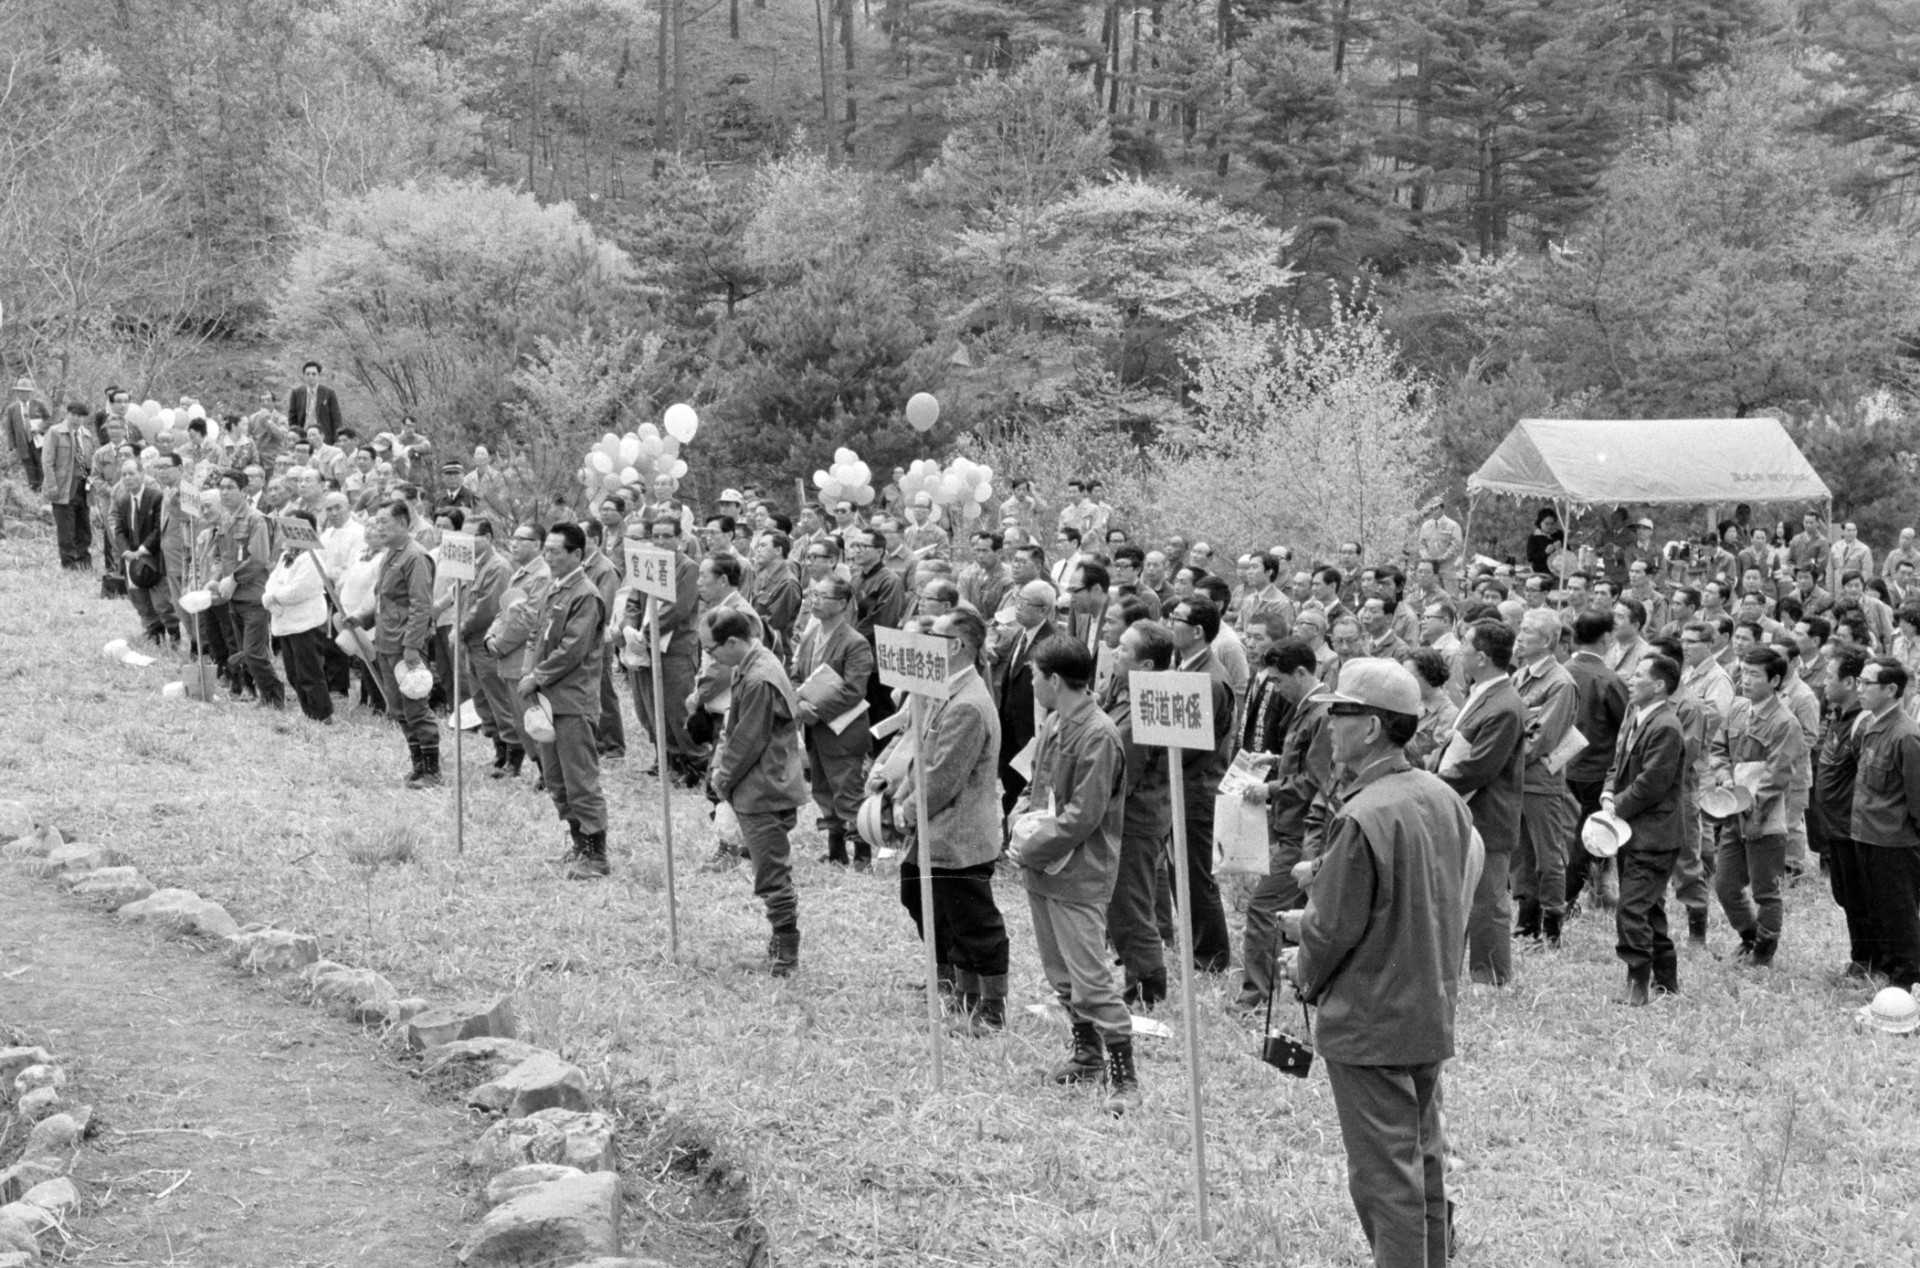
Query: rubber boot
x,y
836,843
1666,973
1087,1062
1123,1085
1550,929
427,773
590,864
1697,926
784,955
1637,980
990,1015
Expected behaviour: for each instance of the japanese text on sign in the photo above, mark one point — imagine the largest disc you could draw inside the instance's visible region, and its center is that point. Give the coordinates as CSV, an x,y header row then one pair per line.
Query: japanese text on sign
x,y
1173,710
918,663
650,570
295,534
457,556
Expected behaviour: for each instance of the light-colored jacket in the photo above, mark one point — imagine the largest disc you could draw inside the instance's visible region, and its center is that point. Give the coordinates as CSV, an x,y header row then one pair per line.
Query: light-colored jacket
x,y
961,778
294,598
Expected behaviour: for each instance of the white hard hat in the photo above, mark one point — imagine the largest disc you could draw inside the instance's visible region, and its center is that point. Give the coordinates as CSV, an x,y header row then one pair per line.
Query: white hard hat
x,y
415,683
1604,833
870,823
538,721
196,601
1892,1012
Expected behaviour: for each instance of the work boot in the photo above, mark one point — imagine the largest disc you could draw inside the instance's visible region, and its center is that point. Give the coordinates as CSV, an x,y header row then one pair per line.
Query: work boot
x,y
590,860
515,758
576,844
1527,927
427,773
413,764
1697,926
1087,1062
1637,979
836,843
1153,990
1763,950
724,858
1747,939
1666,973
862,853
499,755
1123,1085
1550,929
783,956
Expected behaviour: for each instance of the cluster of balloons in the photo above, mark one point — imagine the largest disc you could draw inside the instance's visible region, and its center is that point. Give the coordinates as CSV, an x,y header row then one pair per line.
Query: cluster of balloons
x,y
640,456
150,420
848,479
964,485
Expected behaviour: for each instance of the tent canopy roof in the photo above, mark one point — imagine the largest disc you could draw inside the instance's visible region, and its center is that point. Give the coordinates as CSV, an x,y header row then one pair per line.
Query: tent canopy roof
x,y
1659,461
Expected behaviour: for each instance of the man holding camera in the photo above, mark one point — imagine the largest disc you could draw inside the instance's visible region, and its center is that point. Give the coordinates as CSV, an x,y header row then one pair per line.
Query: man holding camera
x,y
1381,942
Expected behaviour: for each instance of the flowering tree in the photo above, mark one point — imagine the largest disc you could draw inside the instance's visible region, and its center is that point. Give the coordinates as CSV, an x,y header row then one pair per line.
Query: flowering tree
x,y
1307,436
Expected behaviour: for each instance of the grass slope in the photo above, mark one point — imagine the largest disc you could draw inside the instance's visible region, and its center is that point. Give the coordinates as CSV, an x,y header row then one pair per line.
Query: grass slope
x,y
1742,1123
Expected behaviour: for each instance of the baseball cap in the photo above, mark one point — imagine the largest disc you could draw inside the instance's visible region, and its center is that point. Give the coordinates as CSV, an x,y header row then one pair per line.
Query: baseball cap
x,y
1373,682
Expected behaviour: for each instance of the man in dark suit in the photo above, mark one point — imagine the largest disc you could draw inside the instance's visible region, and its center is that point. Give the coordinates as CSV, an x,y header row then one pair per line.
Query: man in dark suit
x,y
1013,684
18,417
1486,763
313,404
135,526
1645,790
679,661
1599,708
1196,623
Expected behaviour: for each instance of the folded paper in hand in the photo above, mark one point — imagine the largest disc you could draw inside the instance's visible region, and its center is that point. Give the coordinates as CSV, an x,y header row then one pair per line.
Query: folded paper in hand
x,y
822,684
1571,745
840,724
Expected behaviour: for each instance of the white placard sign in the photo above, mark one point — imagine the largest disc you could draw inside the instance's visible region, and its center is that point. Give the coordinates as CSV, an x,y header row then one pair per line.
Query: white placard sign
x,y
1172,710
457,556
650,570
916,663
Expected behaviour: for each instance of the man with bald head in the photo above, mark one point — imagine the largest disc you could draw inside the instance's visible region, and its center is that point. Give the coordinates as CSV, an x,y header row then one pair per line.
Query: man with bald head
x,y
1013,682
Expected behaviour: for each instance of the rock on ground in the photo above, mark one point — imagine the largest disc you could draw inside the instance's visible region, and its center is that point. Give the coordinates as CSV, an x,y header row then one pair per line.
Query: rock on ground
x,y
365,993
575,1217
21,1176
113,887
14,1060
583,1140
508,1183
75,856
39,1075
542,1081
438,1026
263,949
56,1197
51,1137
15,821
37,844
38,1103
182,911
493,1056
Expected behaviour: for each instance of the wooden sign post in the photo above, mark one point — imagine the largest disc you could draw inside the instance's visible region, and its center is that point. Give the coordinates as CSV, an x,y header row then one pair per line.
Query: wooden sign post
x,y
920,665
457,564
650,571
1176,710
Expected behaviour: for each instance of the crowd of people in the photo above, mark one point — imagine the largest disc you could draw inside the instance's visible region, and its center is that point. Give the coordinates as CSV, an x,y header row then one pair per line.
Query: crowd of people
x,y
1601,721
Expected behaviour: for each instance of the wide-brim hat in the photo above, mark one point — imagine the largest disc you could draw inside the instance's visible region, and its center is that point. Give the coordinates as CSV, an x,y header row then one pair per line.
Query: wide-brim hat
x,y
1725,803
1893,1011
1604,833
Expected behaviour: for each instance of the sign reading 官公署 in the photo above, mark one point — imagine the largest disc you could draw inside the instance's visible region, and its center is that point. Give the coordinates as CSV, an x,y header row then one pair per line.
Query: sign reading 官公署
x,y
650,570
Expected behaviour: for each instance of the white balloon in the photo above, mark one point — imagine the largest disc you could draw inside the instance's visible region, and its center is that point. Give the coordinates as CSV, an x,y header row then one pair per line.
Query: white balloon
x,y
629,449
679,468
821,479
845,455
649,432
681,422
832,488
600,462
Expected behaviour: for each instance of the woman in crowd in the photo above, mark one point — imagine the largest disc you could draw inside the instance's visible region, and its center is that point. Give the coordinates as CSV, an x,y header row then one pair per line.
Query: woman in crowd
x,y
296,604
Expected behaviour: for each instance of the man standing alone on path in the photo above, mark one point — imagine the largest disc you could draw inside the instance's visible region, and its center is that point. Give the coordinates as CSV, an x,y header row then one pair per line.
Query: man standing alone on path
x,y
756,770
1645,789
1380,949
566,670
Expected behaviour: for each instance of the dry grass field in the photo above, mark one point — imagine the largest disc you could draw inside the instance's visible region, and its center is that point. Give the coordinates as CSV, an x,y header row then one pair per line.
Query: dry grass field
x,y
1742,1123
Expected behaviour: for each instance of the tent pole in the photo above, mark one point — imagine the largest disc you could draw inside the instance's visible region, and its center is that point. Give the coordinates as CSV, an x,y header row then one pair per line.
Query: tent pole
x,y
1833,569
1466,546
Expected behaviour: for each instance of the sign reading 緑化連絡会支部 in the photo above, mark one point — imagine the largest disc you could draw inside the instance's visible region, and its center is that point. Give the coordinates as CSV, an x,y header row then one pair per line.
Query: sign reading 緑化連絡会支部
x,y
916,663
1171,709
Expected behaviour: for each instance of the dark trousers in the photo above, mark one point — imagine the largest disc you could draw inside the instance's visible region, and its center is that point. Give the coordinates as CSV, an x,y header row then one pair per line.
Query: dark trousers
x,y
414,716
155,607
304,661
1212,945
1012,784
609,733
1848,877
252,633
480,665
1586,797
1130,917
767,834
1748,877
968,931
216,637
1892,881
834,775
1275,892
1490,924
1640,922
570,765
73,532
1396,1159
1539,862
440,658
30,466
1163,899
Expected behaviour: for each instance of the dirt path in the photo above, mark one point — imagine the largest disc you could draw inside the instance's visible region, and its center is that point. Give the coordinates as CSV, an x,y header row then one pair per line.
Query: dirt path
x,y
234,1128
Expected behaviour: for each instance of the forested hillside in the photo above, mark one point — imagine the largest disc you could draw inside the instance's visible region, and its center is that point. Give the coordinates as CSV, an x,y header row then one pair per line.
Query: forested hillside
x,y
1095,230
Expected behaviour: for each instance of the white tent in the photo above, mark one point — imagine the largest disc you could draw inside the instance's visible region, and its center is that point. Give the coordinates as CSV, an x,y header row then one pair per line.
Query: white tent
x,y
1588,462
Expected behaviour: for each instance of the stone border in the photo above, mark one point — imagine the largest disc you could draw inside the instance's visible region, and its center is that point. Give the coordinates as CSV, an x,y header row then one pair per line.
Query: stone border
x,y
549,1160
